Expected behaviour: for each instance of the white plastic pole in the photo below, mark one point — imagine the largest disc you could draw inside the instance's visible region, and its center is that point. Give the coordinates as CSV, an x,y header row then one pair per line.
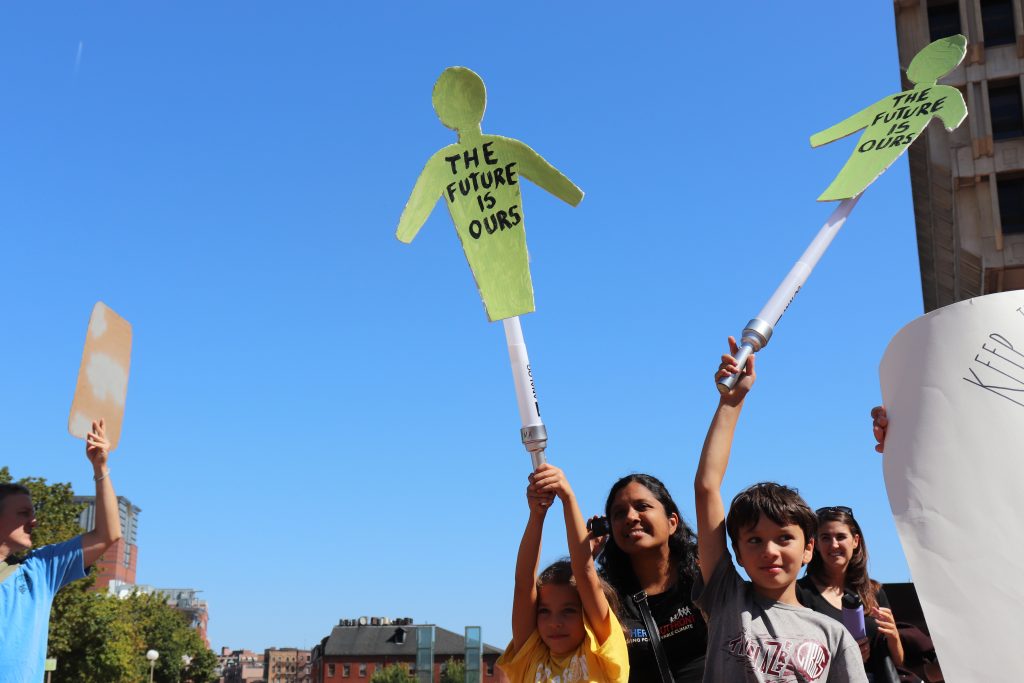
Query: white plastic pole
x,y
533,433
797,276
759,330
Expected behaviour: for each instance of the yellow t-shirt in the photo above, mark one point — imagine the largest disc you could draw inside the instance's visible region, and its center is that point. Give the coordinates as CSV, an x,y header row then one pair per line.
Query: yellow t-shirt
x,y
591,662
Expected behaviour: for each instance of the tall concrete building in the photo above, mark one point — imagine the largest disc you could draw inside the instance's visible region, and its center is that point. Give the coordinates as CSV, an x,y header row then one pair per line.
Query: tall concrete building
x,y
120,560
968,186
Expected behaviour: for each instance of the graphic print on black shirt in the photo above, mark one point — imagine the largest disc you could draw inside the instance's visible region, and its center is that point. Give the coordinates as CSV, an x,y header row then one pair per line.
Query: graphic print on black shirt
x,y
683,637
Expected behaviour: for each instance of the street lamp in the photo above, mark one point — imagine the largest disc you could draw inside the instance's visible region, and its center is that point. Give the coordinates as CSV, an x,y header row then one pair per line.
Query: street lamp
x,y
186,662
152,656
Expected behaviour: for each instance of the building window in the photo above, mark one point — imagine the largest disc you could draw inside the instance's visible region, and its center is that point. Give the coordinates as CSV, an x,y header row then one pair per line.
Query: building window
x,y
1004,101
490,668
1011,203
346,670
362,671
330,670
997,22
943,18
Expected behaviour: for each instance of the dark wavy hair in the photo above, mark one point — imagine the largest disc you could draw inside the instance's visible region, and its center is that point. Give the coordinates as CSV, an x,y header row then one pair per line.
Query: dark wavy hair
x,y
856,578
614,563
781,504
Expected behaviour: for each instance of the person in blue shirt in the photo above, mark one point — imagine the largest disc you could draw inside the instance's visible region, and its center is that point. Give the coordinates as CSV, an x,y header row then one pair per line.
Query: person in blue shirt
x,y
28,585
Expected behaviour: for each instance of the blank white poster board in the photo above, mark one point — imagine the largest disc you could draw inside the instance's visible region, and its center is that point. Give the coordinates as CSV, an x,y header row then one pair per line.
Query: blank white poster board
x,y
953,386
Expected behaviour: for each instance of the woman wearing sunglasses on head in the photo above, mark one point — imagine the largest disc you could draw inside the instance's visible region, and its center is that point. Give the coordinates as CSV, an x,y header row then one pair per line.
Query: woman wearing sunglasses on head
x,y
839,568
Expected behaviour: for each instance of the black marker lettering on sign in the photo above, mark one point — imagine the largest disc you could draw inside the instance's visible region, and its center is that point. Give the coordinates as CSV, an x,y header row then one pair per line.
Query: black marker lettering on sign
x,y
477,183
1001,368
489,157
869,145
481,180
487,199
899,128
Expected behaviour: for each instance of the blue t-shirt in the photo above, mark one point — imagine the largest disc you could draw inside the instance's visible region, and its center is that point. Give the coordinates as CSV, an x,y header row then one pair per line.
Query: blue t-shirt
x,y
25,599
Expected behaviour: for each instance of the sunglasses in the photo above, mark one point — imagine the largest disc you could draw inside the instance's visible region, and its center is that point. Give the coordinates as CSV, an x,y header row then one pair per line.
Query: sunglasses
x,y
834,508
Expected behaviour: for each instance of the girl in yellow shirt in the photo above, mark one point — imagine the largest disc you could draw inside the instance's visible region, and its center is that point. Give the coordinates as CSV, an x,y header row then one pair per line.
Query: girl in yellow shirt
x,y
564,628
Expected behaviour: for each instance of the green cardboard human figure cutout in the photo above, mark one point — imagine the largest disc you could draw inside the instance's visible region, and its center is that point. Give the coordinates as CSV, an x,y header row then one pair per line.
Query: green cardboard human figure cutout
x,y
894,122
479,179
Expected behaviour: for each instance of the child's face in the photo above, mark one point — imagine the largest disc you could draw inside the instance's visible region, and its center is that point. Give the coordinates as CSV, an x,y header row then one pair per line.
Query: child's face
x,y
560,618
639,521
17,519
836,544
772,556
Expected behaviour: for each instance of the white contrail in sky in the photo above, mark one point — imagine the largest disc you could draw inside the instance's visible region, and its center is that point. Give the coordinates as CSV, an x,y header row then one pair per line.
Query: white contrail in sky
x,y
78,57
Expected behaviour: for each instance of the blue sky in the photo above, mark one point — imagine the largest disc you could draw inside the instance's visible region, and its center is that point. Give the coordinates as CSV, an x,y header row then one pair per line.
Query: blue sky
x,y
321,423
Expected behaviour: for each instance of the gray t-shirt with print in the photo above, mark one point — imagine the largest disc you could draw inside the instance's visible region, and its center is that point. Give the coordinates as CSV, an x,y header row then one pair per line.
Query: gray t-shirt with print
x,y
757,640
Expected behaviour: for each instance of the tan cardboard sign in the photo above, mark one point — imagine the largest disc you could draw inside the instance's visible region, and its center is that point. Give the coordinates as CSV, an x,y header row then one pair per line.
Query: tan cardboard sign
x,y
103,376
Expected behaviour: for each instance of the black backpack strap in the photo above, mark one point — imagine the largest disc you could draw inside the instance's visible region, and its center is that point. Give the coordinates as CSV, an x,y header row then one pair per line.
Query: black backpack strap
x,y
640,599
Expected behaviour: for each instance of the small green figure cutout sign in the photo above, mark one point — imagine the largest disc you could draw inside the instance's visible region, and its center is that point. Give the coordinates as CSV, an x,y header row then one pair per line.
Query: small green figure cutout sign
x,y
478,177
895,121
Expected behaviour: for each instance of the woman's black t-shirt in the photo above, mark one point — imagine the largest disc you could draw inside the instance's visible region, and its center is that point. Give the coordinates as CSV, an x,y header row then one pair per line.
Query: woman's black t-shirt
x,y
684,636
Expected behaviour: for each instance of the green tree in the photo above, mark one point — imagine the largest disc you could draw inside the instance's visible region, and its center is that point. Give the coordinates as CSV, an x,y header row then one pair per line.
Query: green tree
x,y
453,671
393,673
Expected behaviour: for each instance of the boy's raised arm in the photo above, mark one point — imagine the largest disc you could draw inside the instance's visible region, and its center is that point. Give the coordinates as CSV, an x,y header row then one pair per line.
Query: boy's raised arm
x,y
524,601
714,459
108,520
549,478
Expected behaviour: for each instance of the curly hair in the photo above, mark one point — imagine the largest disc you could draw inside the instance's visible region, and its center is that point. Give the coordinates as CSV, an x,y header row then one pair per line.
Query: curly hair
x,y
856,577
682,544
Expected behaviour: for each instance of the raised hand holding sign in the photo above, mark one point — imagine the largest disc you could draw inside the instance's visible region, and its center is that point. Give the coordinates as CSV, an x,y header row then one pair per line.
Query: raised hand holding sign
x,y
891,125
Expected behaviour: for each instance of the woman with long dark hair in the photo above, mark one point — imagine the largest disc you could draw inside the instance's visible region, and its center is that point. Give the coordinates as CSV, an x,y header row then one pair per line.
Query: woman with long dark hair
x,y
840,567
650,559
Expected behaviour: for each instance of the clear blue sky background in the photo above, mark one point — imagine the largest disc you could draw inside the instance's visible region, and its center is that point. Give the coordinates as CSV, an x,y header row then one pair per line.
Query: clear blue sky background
x,y
321,424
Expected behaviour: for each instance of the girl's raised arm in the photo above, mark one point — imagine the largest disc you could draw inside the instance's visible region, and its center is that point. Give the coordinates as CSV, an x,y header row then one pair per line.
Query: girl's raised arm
x,y
550,479
524,602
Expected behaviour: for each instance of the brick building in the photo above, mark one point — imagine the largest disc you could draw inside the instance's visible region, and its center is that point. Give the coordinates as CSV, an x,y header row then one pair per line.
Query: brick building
x,y
240,666
357,648
286,665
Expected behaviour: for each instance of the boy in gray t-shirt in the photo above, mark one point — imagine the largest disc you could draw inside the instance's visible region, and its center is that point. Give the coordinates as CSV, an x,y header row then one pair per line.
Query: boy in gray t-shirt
x,y
758,631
